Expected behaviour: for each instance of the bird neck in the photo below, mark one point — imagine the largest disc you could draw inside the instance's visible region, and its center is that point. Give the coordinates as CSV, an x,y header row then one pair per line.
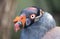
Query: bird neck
x,y
39,28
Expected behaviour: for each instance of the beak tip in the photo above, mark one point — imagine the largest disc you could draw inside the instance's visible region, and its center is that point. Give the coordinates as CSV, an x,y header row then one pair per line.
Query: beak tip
x,y
16,27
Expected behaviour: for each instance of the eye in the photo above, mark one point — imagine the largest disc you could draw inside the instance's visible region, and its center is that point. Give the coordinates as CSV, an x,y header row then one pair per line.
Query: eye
x,y
32,16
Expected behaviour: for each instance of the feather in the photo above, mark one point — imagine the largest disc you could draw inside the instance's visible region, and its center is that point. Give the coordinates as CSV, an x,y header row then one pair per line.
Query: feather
x,y
39,28
53,34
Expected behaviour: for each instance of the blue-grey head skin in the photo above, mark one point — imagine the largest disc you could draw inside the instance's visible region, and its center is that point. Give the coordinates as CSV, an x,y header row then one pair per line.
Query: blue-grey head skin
x,y
38,29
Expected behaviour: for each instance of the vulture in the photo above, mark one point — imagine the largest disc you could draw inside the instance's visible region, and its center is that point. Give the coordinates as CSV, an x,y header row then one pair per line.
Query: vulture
x,y
35,23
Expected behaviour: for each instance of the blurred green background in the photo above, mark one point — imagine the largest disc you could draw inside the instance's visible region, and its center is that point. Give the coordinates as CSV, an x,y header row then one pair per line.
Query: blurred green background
x,y
51,6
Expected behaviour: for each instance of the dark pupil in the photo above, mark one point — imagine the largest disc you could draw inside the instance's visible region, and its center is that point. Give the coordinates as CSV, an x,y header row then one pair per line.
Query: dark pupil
x,y
32,16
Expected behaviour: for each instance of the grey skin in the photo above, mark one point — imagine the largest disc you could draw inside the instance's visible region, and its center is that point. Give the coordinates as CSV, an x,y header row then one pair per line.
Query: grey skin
x,y
38,29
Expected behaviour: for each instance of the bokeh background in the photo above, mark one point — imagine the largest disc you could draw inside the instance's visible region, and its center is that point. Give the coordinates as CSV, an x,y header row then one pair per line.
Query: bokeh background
x,y
9,9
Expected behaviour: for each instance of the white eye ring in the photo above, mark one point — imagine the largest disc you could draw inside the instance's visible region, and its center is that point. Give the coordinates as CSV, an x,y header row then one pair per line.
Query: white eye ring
x,y
32,16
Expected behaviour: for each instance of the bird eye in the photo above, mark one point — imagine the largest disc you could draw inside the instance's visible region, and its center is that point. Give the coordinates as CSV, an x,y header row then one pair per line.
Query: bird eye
x,y
32,16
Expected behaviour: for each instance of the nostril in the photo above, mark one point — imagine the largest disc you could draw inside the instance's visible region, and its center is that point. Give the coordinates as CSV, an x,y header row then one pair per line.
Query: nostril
x,y
20,24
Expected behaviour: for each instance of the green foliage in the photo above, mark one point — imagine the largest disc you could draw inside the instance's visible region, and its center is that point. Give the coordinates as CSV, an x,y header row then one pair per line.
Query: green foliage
x,y
23,4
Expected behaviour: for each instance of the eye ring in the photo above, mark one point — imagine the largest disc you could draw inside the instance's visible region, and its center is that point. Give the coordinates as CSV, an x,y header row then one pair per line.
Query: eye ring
x,y
32,16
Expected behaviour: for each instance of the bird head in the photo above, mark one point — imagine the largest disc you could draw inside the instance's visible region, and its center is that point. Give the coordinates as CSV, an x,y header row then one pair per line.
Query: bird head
x,y
27,17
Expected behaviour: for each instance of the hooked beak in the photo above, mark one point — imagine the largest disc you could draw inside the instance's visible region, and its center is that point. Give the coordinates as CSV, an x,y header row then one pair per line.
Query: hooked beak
x,y
19,22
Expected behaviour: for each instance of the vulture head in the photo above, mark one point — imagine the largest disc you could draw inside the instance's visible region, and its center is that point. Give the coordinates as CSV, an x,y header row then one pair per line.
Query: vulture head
x,y
33,22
